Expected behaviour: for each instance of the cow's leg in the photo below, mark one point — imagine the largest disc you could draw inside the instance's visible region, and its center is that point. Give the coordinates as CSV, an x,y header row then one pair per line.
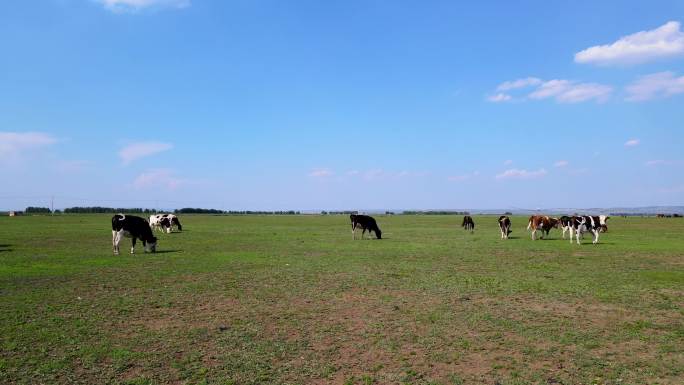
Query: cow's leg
x,y
116,239
534,234
596,236
133,239
363,233
578,235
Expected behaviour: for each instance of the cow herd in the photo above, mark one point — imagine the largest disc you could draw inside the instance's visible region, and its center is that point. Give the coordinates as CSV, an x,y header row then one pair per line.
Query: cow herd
x,y
131,226
134,227
576,225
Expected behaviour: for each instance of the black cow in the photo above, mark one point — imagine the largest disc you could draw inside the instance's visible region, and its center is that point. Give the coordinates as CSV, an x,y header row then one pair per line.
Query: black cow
x,y
133,227
364,222
505,226
468,223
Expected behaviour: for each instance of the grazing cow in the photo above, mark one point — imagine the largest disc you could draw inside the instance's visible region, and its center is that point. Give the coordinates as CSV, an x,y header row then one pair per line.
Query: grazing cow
x,y
165,222
505,226
585,224
468,223
541,223
133,227
366,223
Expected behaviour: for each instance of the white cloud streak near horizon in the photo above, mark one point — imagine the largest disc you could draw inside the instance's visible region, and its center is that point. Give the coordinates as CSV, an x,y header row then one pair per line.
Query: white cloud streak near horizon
x,y
561,163
632,143
515,173
14,144
158,178
136,5
321,172
664,41
135,151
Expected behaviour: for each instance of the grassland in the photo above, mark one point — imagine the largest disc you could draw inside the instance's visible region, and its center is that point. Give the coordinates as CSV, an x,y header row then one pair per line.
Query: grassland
x,y
293,300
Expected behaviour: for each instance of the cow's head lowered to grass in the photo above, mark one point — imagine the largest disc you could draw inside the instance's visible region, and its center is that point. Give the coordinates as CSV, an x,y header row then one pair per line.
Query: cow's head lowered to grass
x,y
133,227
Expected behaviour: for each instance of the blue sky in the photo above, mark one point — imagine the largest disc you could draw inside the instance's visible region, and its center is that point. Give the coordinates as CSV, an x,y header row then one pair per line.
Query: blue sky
x,y
341,105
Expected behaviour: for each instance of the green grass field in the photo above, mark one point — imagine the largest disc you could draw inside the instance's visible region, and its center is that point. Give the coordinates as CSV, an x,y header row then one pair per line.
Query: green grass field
x,y
293,300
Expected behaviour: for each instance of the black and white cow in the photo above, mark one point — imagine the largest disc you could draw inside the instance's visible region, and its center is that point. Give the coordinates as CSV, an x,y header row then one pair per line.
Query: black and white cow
x,y
165,222
566,224
468,223
505,226
366,223
585,224
133,227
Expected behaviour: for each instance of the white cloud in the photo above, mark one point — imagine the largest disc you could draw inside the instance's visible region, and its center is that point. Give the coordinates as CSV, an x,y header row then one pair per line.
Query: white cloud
x,y
661,84
463,177
664,41
515,173
72,166
500,97
139,150
158,178
320,172
562,90
632,143
518,83
135,5
561,163
15,144
672,190
508,162
566,91
663,162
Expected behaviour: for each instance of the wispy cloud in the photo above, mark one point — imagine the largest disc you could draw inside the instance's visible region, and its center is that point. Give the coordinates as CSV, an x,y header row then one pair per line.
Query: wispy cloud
x,y
515,173
16,144
321,172
663,162
672,190
508,162
518,83
632,143
567,91
135,151
561,163
664,41
136,5
499,98
463,177
661,84
158,178
562,90
72,166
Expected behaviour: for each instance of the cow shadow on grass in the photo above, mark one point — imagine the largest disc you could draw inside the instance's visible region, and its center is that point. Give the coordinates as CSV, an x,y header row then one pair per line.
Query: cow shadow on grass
x,y
4,247
167,251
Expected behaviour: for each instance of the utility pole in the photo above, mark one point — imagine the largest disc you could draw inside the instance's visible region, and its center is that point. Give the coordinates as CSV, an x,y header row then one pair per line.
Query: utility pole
x,y
52,205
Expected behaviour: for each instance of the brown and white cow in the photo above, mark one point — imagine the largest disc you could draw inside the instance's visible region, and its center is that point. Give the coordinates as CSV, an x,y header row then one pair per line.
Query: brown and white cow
x,y
541,223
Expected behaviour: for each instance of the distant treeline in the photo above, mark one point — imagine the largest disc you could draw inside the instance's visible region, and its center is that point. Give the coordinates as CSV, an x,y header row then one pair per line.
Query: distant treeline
x,y
338,212
189,210
37,210
437,212
107,210
137,210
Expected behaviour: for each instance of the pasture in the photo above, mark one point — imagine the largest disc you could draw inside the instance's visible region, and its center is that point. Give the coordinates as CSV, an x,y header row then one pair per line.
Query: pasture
x,y
293,300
